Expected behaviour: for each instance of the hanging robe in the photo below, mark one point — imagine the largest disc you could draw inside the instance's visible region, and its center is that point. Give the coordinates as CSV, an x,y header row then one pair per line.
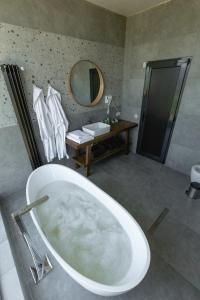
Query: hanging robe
x,y
59,121
44,123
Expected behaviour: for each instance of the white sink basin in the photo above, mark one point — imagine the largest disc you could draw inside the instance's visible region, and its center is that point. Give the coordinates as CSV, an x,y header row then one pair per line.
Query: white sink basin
x,y
96,129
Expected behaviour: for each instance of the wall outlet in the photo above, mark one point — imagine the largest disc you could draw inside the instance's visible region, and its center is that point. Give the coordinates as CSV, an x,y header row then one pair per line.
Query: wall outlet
x,y
108,99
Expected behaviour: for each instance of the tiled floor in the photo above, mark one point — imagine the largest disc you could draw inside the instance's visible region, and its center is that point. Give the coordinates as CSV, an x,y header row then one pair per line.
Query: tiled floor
x,y
144,188
9,282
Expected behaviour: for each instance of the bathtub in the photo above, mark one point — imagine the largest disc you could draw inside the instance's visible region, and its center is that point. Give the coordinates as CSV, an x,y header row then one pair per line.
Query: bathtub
x,y
139,260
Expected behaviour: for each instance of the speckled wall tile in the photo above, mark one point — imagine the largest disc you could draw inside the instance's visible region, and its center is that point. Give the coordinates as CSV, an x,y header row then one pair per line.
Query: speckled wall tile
x,y
50,57
7,115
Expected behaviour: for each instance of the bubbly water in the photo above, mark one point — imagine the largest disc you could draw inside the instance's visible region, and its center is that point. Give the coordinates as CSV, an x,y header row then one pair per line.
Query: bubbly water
x,y
85,234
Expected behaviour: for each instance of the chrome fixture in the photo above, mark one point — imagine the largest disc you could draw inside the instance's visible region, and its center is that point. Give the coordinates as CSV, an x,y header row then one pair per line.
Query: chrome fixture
x,y
194,190
42,266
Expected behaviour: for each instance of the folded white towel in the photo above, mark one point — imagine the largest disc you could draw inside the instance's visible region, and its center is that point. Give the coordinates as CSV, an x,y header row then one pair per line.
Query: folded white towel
x,y
79,136
80,141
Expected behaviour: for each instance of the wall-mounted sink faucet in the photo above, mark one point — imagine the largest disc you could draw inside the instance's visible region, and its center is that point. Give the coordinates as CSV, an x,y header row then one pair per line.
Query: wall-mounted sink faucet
x,y
42,266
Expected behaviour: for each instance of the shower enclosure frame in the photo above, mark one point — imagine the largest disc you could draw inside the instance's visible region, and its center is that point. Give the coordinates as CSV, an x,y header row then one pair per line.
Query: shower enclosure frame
x,y
184,64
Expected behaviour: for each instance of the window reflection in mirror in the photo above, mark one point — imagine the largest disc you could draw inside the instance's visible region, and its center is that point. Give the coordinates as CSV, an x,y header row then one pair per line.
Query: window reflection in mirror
x,y
86,83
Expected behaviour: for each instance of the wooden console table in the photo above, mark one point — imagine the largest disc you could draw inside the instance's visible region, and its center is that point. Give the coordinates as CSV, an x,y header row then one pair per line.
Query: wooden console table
x,y
85,159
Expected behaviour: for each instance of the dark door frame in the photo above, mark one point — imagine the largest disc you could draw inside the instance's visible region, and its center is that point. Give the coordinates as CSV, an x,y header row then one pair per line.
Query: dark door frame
x,y
185,63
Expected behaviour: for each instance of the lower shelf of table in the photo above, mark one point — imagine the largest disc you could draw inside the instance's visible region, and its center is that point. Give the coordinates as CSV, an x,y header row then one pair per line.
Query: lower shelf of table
x,y
81,160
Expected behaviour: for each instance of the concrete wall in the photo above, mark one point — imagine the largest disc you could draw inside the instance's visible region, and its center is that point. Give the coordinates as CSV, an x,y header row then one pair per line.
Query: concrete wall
x,y
48,57
76,18
68,30
168,31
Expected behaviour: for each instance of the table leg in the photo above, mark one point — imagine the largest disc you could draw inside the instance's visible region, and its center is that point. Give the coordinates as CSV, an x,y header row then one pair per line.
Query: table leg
x,y
77,166
88,159
127,140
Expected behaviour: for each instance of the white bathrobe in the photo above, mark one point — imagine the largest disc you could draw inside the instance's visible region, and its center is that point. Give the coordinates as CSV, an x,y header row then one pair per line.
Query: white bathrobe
x,y
59,121
44,123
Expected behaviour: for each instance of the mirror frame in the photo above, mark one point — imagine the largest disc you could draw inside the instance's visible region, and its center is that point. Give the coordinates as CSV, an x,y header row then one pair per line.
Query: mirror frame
x,y
101,87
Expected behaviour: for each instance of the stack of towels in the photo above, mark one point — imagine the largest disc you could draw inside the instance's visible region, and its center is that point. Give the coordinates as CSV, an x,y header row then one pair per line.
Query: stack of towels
x,y
79,136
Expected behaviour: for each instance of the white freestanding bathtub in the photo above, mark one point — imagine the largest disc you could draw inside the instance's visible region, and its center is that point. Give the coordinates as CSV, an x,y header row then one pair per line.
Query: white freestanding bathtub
x,y
134,261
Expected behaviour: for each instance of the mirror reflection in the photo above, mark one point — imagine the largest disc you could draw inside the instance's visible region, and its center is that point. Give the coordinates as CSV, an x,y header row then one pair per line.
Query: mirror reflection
x,y
86,83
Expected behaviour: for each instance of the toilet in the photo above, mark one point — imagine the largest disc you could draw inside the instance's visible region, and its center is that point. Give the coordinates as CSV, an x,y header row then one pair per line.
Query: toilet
x,y
195,174
194,188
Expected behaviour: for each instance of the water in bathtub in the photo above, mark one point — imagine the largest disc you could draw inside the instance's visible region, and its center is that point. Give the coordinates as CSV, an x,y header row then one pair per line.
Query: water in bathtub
x,y
84,233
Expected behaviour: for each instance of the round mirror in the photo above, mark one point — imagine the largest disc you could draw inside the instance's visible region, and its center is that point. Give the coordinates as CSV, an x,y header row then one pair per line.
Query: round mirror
x,y
86,83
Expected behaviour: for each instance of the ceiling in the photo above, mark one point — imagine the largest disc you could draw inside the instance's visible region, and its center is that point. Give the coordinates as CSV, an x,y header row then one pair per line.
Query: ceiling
x,y
128,7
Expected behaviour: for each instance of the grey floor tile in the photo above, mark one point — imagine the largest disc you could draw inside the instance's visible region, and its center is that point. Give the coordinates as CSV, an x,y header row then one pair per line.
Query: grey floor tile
x,y
187,212
144,188
10,286
3,236
64,288
179,246
10,226
162,283
146,214
15,200
6,259
173,179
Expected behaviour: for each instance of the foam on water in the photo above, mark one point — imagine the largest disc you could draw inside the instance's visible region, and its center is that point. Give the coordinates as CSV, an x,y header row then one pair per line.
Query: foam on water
x,y
84,232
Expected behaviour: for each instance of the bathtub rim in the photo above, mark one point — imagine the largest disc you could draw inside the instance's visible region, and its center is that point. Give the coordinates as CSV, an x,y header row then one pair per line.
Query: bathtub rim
x,y
92,285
